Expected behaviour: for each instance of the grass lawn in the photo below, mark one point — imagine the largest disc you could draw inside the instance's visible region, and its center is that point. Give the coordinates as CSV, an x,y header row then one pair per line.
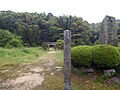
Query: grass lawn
x,y
59,58
19,55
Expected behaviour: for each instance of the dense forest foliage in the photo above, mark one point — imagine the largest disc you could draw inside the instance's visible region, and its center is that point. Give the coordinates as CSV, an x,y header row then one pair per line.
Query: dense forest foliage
x,y
36,28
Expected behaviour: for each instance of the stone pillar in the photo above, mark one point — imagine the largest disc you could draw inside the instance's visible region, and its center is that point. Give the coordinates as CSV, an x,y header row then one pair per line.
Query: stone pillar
x,y
67,59
108,32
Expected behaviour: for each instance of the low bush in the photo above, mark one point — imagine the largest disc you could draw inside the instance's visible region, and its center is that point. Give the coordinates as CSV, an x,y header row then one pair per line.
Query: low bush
x,y
15,42
118,49
44,46
81,56
5,37
9,40
105,56
27,50
59,44
100,56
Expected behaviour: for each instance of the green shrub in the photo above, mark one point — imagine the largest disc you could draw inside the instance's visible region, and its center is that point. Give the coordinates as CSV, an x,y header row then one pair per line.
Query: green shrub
x,y
59,44
118,49
100,56
44,46
9,40
81,56
105,56
117,68
96,42
27,50
8,46
15,42
5,37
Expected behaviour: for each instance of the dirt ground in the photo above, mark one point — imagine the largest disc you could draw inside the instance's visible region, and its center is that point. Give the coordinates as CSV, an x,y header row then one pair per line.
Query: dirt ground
x,y
29,76
46,74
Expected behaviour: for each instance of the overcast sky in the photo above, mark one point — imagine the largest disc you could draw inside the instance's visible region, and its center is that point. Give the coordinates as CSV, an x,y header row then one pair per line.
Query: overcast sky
x,y
90,10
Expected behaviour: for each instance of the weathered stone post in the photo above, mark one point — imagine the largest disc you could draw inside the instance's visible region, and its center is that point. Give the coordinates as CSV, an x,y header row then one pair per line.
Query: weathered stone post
x,y
108,32
67,59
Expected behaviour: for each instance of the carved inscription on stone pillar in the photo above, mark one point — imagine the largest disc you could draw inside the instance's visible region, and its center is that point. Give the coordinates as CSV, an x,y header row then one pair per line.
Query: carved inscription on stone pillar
x,y
108,32
67,59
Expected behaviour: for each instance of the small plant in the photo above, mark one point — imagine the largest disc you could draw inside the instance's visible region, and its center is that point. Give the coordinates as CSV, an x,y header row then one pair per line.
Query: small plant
x,y
28,51
15,42
96,42
118,69
44,46
59,44
101,78
8,46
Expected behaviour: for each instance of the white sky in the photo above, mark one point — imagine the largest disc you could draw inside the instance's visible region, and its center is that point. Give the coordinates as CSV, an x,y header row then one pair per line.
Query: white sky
x,y
90,10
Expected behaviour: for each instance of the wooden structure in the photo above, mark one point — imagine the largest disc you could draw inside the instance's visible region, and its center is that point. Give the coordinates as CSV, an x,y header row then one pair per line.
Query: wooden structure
x,y
51,44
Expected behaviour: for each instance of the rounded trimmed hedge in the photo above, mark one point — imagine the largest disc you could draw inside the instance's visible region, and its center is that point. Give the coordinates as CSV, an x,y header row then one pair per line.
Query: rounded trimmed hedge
x,y
81,56
100,56
105,56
